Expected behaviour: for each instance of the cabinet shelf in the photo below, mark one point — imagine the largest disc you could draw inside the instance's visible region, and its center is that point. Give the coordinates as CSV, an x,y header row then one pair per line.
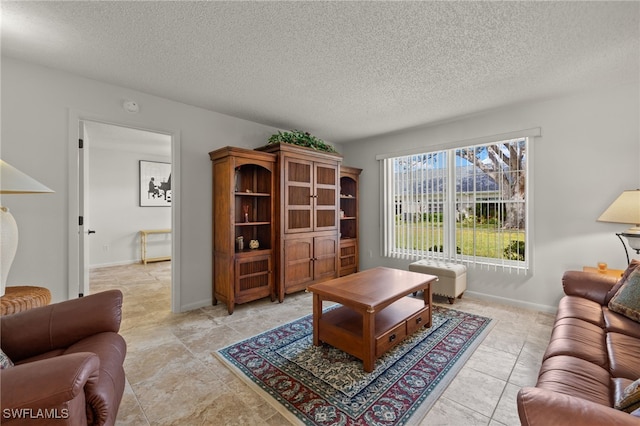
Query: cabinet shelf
x,y
261,250
252,194
349,179
243,187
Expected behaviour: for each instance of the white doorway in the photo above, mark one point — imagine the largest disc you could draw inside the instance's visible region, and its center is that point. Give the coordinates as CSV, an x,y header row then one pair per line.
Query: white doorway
x,y
111,198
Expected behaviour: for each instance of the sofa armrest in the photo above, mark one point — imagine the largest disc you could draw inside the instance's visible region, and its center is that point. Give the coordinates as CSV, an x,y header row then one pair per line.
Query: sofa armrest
x,y
588,285
56,384
59,325
547,408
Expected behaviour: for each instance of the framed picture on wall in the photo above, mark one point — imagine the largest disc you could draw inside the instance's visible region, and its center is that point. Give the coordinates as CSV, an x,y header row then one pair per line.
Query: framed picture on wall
x,y
155,184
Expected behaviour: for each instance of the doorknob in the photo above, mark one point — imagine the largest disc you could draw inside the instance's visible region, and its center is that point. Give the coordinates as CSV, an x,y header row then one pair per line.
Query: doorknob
x,y
91,232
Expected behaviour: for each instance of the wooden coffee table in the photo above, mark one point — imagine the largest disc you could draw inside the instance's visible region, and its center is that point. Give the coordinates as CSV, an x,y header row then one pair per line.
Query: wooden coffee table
x,y
375,314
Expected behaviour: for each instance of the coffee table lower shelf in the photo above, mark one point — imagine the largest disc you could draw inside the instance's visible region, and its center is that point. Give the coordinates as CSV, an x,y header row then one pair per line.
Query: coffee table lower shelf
x,y
343,327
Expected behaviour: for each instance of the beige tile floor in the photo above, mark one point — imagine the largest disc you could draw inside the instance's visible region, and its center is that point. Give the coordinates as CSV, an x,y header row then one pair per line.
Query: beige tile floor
x,y
173,377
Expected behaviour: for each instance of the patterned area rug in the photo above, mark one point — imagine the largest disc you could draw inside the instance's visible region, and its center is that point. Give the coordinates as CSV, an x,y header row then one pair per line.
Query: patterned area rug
x,y
325,386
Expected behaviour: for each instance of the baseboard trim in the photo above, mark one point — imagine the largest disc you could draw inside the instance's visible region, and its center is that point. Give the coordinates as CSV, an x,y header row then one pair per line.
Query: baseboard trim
x,y
196,305
106,265
512,302
472,294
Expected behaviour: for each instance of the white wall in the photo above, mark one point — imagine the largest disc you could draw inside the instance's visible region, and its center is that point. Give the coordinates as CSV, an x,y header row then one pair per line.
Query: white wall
x,y
114,209
588,154
36,105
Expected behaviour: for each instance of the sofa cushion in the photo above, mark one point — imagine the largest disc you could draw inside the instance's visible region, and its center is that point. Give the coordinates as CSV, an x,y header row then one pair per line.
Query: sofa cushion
x,y
629,400
541,407
578,338
574,376
627,299
635,264
49,354
623,355
579,307
617,323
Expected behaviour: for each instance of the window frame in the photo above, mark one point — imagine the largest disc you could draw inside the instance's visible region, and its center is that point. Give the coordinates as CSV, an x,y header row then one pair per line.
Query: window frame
x,y
450,225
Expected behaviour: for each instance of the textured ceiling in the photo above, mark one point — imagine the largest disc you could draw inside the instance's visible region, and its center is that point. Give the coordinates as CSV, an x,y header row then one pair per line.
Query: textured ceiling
x,y
341,70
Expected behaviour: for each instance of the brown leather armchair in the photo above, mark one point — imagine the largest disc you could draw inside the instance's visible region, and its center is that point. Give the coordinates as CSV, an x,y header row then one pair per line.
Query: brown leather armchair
x,y
68,363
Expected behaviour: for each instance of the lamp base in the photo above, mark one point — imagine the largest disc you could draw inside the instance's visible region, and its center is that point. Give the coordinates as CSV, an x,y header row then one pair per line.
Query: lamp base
x,y
634,240
635,230
8,245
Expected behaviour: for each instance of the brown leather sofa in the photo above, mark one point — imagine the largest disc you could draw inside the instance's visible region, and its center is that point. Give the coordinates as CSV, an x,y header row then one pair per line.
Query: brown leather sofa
x,y
593,355
68,363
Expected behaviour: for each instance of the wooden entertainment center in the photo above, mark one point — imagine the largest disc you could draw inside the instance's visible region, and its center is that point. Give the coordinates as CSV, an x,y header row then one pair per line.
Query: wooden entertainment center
x,y
284,217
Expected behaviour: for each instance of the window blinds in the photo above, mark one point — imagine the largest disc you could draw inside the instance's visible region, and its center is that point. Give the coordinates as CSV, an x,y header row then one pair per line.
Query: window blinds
x,y
465,204
416,201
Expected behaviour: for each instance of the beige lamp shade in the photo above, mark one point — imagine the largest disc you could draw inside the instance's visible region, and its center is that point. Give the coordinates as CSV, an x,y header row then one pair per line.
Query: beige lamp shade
x,y
625,209
12,181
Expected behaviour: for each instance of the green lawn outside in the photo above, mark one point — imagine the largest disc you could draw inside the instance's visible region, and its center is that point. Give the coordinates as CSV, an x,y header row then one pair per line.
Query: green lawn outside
x,y
490,242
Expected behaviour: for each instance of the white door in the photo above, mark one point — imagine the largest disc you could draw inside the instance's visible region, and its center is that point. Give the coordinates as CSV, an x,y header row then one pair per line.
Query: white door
x,y
83,230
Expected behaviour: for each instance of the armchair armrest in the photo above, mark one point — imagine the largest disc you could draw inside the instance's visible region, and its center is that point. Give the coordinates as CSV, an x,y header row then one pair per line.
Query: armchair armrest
x,y
588,285
49,384
547,408
59,325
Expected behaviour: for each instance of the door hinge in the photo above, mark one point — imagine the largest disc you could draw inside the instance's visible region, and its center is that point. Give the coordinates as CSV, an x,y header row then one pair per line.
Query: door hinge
x,y
80,143
80,220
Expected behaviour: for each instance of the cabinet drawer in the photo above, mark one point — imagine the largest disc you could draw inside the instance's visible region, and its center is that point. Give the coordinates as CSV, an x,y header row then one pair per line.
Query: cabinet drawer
x,y
418,320
390,338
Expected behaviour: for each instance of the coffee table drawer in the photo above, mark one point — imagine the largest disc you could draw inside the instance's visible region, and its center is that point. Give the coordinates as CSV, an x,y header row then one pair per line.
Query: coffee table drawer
x,y
418,320
390,338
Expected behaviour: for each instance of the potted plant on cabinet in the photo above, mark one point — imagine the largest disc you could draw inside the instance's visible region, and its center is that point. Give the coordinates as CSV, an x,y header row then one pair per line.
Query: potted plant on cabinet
x,y
300,138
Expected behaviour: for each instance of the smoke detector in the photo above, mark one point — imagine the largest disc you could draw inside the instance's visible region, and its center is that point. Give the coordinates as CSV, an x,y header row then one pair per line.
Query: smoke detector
x,y
131,107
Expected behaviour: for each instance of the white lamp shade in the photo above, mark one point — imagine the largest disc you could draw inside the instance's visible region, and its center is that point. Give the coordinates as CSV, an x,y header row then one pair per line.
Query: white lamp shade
x,y
13,181
625,209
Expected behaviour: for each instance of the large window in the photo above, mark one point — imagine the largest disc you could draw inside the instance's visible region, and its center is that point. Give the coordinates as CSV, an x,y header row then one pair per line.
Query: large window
x,y
467,204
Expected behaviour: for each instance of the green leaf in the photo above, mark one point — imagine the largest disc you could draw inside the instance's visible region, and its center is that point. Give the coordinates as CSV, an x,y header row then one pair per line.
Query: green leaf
x,y
300,138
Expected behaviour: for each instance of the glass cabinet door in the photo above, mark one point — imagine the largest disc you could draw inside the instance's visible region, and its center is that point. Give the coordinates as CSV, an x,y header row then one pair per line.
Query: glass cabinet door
x,y
298,196
326,197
